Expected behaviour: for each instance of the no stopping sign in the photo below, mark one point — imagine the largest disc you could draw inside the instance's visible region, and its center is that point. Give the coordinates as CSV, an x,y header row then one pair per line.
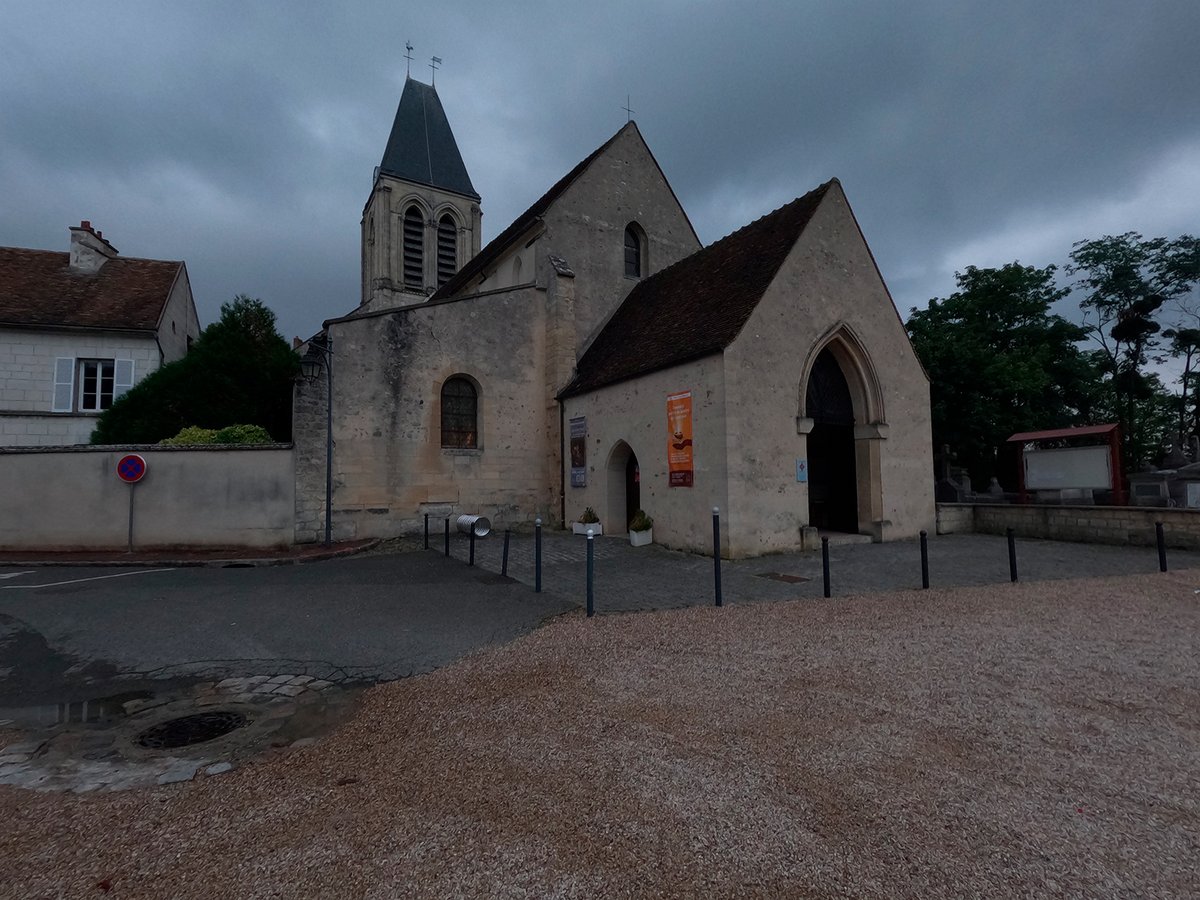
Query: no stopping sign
x,y
131,468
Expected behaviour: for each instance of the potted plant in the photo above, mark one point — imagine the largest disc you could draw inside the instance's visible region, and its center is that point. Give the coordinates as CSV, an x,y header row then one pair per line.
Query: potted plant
x,y
589,521
641,529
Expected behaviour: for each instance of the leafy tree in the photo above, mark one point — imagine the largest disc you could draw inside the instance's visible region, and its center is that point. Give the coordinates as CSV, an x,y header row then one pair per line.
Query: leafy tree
x,y
1126,280
999,362
1185,344
239,372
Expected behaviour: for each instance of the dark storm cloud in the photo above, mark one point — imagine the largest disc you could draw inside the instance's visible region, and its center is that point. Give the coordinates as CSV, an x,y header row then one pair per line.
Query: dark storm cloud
x,y
242,137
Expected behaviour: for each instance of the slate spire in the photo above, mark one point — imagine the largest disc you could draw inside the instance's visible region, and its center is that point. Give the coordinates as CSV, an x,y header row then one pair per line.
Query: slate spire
x,y
421,147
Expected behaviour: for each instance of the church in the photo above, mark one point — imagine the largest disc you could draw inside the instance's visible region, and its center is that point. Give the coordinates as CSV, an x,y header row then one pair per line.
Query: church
x,y
596,356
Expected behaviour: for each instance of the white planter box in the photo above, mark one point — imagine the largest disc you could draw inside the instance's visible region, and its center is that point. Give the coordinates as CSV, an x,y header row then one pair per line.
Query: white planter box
x,y
580,528
641,538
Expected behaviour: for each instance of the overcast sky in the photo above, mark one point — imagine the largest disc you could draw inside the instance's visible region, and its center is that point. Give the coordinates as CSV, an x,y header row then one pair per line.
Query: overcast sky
x,y
241,137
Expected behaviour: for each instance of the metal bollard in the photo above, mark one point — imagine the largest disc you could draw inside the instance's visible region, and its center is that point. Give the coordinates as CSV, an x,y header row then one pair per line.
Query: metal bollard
x,y
717,551
537,555
825,565
447,535
1012,556
504,559
591,573
1162,546
924,561
426,531
471,561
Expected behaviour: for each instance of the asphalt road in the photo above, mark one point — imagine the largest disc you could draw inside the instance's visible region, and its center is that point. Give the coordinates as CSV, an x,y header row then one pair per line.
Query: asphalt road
x,y
71,633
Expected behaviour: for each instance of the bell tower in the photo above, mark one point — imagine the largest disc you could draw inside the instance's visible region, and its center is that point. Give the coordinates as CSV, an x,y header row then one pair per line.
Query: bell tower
x,y
422,221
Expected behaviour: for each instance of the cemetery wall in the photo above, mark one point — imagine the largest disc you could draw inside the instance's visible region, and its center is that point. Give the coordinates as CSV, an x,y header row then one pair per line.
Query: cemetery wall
x,y
1088,524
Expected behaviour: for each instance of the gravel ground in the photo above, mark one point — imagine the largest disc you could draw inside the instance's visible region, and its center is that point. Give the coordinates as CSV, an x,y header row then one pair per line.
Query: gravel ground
x,y
1019,740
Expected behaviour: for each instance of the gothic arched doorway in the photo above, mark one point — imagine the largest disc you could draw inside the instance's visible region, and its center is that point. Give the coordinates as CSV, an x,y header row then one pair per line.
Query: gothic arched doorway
x,y
832,479
624,487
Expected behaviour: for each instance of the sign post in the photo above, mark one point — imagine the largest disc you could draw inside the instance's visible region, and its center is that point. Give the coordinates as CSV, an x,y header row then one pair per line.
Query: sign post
x,y
131,469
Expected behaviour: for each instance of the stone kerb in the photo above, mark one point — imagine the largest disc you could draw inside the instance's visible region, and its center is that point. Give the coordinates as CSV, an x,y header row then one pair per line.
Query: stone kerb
x,y
1089,524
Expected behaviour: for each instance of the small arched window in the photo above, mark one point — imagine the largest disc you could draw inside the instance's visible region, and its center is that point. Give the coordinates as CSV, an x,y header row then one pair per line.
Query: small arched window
x,y
414,248
633,252
447,249
460,414
516,270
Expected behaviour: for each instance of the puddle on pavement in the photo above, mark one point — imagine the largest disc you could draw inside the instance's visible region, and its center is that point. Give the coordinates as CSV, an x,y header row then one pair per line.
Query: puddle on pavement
x,y
98,711
138,737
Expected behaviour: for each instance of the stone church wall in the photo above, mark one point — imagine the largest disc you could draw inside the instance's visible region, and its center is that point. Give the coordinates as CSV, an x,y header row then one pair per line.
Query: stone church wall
x,y
829,278
635,412
586,226
389,465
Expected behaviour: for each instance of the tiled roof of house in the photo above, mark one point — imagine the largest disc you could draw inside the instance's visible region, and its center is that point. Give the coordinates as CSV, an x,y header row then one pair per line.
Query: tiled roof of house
x,y
37,287
697,306
498,245
421,147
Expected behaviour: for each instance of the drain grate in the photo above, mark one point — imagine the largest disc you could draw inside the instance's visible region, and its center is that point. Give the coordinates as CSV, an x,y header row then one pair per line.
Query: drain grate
x,y
188,730
780,576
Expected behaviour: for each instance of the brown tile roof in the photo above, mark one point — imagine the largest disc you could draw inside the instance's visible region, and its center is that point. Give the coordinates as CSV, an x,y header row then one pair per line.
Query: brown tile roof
x,y
697,306
38,288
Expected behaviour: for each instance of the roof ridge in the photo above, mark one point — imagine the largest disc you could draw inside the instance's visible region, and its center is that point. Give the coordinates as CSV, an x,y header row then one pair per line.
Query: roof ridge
x,y
811,194
719,286
497,245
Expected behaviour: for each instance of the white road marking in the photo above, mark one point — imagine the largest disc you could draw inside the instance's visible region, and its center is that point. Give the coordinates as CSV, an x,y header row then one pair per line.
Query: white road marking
x,y
17,587
15,574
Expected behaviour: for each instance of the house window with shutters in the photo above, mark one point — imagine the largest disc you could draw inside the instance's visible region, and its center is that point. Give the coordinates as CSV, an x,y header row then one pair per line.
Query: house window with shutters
x,y
460,414
447,249
414,248
90,385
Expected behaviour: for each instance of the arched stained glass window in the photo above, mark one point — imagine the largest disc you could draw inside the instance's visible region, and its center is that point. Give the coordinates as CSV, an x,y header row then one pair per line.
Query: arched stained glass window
x,y
460,413
633,252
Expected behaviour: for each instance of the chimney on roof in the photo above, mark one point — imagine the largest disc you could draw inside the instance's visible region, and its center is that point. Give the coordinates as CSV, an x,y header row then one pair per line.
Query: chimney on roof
x,y
89,250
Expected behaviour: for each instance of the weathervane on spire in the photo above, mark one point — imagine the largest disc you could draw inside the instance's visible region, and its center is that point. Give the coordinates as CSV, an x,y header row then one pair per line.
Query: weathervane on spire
x,y
628,111
435,61
408,55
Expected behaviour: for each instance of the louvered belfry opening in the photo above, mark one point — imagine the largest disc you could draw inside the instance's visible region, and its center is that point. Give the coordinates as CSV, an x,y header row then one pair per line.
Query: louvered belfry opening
x,y
447,249
414,248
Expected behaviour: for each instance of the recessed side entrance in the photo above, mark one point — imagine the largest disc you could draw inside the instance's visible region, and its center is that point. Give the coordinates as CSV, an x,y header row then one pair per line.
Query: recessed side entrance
x,y
624,488
832,479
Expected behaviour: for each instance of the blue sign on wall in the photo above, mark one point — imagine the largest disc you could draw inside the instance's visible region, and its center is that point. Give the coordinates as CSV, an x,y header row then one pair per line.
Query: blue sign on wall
x,y
802,470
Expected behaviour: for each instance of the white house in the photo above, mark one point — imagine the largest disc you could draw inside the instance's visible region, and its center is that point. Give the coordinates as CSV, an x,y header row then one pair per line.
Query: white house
x,y
78,329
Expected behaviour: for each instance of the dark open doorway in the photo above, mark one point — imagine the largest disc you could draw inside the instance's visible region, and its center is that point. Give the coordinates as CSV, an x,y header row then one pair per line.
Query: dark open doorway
x,y
832,479
633,488
624,487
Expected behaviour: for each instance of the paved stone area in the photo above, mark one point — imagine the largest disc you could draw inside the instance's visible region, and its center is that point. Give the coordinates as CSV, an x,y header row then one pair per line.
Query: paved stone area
x,y
94,745
629,579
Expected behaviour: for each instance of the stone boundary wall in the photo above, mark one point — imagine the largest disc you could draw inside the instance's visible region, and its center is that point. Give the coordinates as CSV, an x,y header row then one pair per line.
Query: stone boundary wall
x,y
1087,524
69,498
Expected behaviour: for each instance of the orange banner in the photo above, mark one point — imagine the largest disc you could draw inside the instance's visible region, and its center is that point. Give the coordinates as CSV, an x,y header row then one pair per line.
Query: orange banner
x,y
679,440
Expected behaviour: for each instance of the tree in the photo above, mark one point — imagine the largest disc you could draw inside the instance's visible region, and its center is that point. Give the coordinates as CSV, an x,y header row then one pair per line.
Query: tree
x,y
239,372
1127,279
1185,344
999,362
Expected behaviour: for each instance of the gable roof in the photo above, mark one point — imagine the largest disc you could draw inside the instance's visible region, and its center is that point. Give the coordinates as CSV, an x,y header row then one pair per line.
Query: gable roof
x,y
38,287
421,147
697,306
498,245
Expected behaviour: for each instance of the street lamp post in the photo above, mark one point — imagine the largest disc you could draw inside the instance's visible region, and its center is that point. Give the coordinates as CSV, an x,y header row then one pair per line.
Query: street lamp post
x,y
310,368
